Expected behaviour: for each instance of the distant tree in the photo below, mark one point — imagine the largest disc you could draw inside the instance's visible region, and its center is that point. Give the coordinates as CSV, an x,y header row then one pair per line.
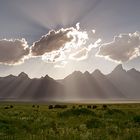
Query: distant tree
x,y
37,106
33,106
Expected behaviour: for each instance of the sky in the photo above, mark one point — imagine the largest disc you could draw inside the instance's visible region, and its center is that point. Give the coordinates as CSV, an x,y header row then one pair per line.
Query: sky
x,y
57,37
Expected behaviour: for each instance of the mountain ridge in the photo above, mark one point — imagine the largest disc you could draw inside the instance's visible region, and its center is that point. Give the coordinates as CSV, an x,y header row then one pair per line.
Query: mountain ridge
x,y
119,84
118,67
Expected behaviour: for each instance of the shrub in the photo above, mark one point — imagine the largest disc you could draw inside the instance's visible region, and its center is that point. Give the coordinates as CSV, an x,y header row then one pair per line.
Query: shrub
x,y
114,111
76,112
136,119
93,123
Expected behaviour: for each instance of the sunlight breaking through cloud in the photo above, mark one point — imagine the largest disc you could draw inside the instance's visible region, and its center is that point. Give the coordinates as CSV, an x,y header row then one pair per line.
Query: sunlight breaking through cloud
x,y
59,46
61,64
63,45
79,55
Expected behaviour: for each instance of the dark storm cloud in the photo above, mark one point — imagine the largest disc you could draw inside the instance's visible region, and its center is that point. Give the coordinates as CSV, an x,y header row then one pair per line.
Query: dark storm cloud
x,y
123,48
51,42
13,51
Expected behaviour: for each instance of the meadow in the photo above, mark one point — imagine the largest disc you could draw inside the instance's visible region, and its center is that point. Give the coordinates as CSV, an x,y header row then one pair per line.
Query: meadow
x,y
30,121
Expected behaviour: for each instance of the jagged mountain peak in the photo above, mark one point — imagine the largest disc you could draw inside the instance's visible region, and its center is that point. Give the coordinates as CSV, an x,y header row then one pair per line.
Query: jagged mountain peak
x,y
77,73
86,73
97,72
10,76
120,84
23,75
132,70
47,77
118,69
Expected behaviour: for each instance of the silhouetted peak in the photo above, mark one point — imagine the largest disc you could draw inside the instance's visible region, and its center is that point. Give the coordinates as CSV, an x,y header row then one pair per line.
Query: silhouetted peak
x,y
23,75
133,70
47,77
97,72
86,73
119,68
10,76
76,73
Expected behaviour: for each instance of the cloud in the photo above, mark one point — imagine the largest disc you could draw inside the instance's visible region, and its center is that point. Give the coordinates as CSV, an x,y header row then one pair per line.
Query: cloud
x,y
79,55
93,31
123,48
53,57
13,52
78,26
55,47
58,40
58,45
82,53
61,64
52,41
95,45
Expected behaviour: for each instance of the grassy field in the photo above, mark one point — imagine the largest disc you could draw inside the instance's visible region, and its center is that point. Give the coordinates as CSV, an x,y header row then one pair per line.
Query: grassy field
x,y
19,121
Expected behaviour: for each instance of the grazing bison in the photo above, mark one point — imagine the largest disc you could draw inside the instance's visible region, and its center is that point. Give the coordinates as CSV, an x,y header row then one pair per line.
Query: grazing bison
x,y
94,106
6,107
60,106
104,106
11,106
50,106
80,106
73,107
88,106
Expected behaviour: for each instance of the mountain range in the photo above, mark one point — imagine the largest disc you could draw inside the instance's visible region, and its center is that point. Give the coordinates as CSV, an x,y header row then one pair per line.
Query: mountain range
x,y
118,85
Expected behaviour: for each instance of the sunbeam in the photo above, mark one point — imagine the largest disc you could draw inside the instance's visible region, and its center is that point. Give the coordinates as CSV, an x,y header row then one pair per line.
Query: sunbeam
x,y
61,15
